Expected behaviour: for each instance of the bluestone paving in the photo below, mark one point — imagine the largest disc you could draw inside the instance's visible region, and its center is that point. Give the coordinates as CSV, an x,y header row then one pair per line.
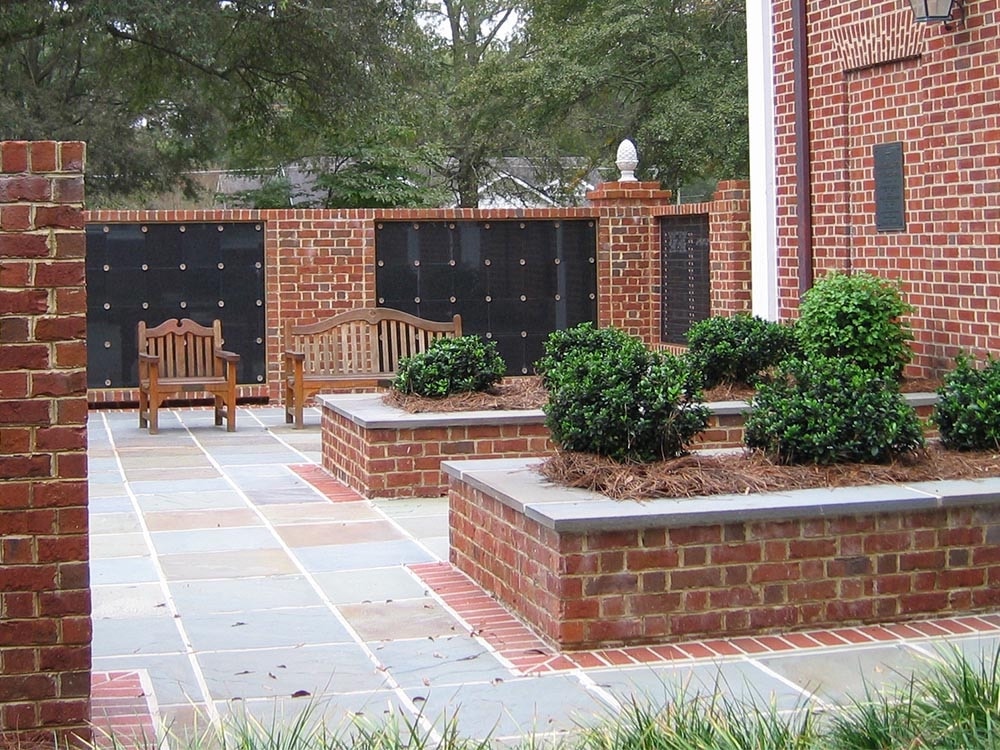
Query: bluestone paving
x,y
282,672
236,585
246,594
447,660
121,570
128,601
264,629
743,680
346,557
126,544
213,540
137,635
379,585
190,500
410,618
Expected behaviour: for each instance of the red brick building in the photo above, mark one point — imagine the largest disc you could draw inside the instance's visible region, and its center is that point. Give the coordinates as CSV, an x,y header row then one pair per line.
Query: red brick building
x,y
886,158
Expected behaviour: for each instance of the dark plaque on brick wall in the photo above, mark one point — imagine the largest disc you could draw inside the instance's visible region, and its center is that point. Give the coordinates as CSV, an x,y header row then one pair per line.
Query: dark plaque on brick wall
x,y
685,278
513,282
155,272
889,183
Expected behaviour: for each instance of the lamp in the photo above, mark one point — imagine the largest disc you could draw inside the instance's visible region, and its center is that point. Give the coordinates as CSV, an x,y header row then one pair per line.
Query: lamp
x,y
935,10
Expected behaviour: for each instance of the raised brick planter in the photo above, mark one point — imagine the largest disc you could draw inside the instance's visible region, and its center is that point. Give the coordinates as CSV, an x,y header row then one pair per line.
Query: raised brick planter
x,y
587,571
381,451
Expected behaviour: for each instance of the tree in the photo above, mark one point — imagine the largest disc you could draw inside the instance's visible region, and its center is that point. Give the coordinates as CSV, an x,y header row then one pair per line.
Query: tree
x,y
471,41
157,88
671,74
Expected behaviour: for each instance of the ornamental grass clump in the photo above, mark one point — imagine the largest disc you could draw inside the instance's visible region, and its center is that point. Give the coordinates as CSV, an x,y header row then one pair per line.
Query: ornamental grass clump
x,y
968,409
609,395
859,317
735,349
831,410
449,366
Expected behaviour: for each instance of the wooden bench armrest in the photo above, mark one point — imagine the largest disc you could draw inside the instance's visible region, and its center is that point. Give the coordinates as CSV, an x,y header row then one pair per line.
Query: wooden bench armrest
x,y
148,358
227,356
295,356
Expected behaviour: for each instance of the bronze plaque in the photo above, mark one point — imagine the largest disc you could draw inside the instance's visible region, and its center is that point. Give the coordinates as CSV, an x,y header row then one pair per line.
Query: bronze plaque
x,y
889,188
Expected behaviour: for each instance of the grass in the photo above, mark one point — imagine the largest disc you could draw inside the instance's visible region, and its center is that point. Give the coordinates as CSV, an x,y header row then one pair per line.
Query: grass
x,y
952,705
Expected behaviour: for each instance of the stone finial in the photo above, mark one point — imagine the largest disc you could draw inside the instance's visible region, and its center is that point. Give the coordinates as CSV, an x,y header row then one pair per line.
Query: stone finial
x,y
627,160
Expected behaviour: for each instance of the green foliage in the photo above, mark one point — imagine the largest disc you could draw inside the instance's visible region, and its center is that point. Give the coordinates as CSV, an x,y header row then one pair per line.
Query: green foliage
x,y
968,409
829,410
678,88
158,88
702,722
451,365
953,706
377,176
858,316
736,348
615,398
584,336
276,192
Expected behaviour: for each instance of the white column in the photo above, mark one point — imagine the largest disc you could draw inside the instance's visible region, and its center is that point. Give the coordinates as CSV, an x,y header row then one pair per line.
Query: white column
x,y
763,192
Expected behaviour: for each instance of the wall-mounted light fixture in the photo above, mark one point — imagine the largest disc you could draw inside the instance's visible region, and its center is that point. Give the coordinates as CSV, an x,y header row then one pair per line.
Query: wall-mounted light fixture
x,y
936,10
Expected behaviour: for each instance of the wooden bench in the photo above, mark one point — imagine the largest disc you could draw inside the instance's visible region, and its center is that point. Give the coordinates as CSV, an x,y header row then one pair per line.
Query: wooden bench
x,y
181,356
355,349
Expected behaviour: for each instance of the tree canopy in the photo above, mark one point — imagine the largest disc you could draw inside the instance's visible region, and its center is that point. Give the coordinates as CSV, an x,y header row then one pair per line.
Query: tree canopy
x,y
396,102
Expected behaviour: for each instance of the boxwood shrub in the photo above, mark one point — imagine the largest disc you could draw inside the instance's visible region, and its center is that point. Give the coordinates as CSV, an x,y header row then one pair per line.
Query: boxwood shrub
x,y
585,337
968,409
829,410
858,316
615,398
451,365
735,349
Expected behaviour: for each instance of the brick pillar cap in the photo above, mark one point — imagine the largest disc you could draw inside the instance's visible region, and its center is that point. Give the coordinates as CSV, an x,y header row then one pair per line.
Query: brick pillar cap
x,y
631,191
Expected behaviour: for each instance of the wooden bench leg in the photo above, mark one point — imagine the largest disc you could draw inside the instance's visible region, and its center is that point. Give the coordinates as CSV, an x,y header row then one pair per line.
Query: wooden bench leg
x,y
219,413
154,416
143,409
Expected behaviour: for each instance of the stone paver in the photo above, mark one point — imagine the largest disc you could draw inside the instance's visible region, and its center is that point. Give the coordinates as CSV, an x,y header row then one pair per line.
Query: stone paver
x,y
230,575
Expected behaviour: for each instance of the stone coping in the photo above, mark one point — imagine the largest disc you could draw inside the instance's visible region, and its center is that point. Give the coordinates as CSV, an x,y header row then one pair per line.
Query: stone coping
x,y
515,483
369,411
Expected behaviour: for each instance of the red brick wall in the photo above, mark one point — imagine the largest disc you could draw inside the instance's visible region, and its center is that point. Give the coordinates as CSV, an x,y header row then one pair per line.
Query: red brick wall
x,y
655,585
875,76
628,240
45,654
318,263
406,461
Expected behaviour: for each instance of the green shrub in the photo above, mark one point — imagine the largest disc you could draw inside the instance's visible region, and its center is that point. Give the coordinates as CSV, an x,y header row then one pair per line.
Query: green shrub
x,y
858,316
621,400
968,409
829,410
585,336
736,348
451,365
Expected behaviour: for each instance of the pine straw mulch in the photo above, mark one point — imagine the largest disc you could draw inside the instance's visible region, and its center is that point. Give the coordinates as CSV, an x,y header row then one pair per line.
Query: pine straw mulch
x,y
744,473
701,474
517,393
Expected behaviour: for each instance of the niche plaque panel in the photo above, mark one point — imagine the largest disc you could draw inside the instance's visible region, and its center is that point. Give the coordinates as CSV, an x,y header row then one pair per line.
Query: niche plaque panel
x,y
154,272
685,275
513,282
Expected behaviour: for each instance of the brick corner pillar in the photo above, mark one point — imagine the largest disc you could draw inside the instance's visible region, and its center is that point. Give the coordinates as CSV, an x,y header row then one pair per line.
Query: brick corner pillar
x,y
729,238
45,631
628,252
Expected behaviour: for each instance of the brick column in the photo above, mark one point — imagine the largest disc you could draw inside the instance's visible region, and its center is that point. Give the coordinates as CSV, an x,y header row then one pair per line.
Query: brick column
x,y
628,256
45,632
729,237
